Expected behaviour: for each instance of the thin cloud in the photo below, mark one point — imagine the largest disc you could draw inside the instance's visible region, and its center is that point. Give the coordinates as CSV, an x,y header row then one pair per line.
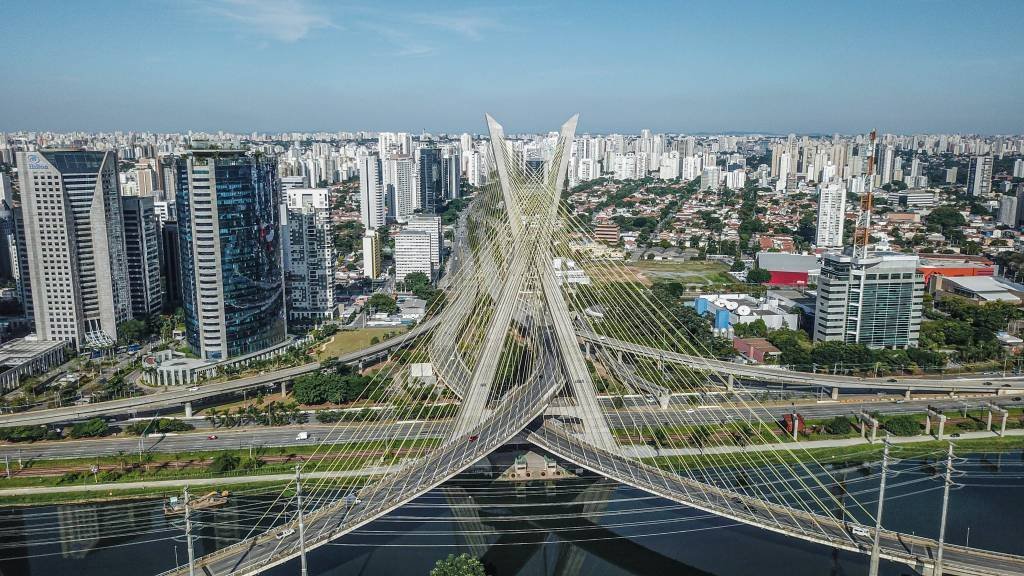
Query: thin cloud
x,y
404,44
283,20
470,26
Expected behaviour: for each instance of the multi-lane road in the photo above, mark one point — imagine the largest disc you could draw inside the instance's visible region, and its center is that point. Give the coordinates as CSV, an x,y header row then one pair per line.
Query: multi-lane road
x,y
273,437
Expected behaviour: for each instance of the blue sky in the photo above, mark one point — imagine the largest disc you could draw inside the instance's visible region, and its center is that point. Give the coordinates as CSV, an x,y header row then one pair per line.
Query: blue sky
x,y
270,65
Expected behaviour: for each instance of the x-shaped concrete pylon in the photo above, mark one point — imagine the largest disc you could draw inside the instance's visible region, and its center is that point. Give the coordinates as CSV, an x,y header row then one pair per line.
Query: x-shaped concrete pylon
x,y
531,202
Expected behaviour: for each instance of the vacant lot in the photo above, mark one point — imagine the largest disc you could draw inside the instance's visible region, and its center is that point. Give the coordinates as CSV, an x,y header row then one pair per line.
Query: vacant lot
x,y
688,272
351,340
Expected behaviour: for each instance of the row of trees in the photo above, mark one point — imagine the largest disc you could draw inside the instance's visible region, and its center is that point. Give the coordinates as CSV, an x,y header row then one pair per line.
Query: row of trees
x,y
799,353
335,386
273,414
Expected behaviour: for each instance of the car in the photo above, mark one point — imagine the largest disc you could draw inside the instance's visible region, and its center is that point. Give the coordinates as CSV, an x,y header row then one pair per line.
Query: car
x,y
474,437
860,531
193,389
954,435
1016,398
1006,385
690,410
892,380
211,437
988,383
285,533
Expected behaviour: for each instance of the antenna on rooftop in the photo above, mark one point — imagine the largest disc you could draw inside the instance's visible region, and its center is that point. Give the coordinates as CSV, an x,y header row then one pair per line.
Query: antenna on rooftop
x,y
863,232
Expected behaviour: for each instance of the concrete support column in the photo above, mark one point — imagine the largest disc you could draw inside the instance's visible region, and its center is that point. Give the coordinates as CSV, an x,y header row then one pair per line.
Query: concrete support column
x,y
988,421
618,354
664,400
1002,425
730,384
874,430
284,389
928,425
587,350
942,426
188,409
835,394
906,394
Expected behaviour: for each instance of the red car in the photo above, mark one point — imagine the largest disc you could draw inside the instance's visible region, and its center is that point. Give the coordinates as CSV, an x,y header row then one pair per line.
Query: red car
x,y
211,437
474,437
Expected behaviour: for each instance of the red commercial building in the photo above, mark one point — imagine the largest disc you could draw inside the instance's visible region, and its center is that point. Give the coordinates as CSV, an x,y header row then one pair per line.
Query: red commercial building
x,y
789,269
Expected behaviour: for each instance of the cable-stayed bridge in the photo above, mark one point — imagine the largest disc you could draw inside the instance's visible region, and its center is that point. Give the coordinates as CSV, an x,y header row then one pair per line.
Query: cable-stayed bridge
x,y
506,347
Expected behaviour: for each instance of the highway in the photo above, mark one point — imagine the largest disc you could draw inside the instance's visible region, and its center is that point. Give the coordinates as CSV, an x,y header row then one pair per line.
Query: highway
x,y
227,439
175,398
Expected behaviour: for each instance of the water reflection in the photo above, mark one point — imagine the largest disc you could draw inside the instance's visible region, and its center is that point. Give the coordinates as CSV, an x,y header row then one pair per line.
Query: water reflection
x,y
582,526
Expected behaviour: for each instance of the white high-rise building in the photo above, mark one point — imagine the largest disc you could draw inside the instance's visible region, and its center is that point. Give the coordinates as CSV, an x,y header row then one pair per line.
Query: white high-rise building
x,y
587,169
372,208
477,170
412,253
831,215
1018,168
670,165
74,235
309,259
711,178
432,226
400,185
735,179
625,166
980,178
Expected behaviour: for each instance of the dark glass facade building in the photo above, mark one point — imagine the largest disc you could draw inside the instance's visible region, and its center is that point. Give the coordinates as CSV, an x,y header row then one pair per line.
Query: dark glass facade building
x,y
228,204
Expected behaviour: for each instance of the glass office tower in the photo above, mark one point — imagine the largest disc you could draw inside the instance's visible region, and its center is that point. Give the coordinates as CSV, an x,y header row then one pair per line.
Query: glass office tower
x,y
228,204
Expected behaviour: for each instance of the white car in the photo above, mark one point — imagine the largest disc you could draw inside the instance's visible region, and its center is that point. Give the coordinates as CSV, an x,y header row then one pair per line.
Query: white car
x,y
860,531
285,533
194,389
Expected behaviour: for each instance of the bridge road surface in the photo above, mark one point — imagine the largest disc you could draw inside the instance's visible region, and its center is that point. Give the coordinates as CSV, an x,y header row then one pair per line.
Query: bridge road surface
x,y
783,376
263,551
911,550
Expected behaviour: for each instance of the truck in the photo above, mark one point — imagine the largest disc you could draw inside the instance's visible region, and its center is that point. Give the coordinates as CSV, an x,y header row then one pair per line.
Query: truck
x,y
302,436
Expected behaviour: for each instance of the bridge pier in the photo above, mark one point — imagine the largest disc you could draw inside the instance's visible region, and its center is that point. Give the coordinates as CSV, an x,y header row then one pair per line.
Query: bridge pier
x,y
1002,413
835,393
928,423
284,389
665,399
188,410
906,394
866,419
588,351
730,384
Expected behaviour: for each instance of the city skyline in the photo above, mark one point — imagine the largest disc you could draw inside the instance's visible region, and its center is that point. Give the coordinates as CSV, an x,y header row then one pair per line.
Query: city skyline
x,y
305,66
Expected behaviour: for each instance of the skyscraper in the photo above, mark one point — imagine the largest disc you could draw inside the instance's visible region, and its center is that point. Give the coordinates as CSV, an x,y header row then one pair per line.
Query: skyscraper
x,y
142,242
430,179
231,270
400,183
831,215
873,300
309,259
979,179
74,235
372,208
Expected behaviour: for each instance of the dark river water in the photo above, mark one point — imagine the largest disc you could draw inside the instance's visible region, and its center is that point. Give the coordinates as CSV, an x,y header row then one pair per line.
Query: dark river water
x,y
582,526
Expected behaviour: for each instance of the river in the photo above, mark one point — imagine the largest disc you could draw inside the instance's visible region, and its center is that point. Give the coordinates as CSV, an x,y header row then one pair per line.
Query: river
x,y
582,526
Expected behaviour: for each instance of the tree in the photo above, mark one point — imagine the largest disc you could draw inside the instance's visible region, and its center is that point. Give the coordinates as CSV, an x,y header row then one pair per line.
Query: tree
x,y
90,429
945,218
132,331
223,462
737,266
902,425
839,425
381,302
461,565
758,276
